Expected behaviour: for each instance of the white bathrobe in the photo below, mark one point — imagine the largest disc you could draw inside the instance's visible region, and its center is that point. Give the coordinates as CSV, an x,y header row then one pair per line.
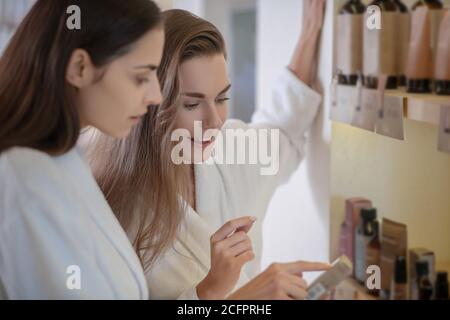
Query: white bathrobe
x,y
53,216
225,192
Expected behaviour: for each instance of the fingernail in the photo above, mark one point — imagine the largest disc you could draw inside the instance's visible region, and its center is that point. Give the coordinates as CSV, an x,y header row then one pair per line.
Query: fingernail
x,y
253,219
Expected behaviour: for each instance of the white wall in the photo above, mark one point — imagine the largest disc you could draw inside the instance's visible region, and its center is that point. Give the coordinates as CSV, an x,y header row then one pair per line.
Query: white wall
x,y
11,14
195,6
219,12
297,224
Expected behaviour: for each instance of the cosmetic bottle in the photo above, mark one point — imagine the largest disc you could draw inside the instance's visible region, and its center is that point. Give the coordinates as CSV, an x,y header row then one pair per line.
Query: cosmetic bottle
x,y
373,252
350,41
364,233
442,62
399,288
402,43
380,48
423,39
424,284
441,287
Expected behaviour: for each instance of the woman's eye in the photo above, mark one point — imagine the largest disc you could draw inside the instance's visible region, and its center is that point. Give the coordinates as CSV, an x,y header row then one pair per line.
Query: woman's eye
x,y
191,106
142,81
222,100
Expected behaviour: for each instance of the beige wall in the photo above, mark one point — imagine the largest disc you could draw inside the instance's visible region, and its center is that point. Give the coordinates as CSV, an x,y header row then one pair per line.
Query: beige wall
x,y
408,182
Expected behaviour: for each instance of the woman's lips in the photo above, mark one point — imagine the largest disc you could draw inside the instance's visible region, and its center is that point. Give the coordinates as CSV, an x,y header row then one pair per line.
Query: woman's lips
x,y
136,119
203,143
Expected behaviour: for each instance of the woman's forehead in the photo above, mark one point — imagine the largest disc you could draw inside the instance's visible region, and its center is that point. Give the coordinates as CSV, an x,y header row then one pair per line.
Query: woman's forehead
x,y
207,75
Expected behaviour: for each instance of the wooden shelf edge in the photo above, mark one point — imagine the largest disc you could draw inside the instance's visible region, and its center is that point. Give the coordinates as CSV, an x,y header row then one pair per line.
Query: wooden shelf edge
x,y
350,289
421,107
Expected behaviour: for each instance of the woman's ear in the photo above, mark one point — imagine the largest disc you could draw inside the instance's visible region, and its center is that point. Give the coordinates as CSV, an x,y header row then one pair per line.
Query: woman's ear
x,y
80,69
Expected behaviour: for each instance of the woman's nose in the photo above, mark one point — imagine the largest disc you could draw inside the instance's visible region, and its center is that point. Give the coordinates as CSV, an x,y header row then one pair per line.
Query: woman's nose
x,y
213,119
154,96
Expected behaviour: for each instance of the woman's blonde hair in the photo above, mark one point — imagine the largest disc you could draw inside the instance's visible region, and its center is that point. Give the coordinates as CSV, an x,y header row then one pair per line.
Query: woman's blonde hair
x,y
142,185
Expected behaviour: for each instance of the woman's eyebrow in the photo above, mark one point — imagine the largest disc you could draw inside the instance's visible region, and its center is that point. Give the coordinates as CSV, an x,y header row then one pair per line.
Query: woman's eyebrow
x,y
225,90
151,67
202,95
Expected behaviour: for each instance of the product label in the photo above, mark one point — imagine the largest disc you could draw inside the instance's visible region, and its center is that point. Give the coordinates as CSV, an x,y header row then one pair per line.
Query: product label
x,y
361,243
343,100
364,117
372,257
390,118
349,43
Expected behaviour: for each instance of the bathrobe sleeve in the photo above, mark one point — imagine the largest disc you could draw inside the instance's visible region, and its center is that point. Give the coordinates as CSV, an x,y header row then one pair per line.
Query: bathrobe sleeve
x,y
50,248
189,294
249,187
292,110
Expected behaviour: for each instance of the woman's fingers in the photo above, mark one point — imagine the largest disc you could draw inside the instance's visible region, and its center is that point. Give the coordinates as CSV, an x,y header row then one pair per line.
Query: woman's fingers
x,y
305,266
241,247
296,292
296,287
298,281
236,238
231,226
245,257
245,228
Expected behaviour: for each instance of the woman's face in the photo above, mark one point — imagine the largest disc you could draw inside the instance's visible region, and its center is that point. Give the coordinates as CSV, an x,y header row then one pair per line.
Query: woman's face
x,y
127,87
204,94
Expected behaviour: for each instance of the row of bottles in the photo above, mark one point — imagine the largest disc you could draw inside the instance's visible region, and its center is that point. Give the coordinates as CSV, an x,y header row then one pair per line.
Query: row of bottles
x,y
422,284
423,288
387,50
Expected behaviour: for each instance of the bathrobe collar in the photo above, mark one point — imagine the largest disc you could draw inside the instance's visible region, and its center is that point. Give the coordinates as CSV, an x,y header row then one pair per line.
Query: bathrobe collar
x,y
79,173
199,226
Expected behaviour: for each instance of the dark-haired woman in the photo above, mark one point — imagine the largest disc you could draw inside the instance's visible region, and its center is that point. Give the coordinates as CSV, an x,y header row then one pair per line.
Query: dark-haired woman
x,y
58,235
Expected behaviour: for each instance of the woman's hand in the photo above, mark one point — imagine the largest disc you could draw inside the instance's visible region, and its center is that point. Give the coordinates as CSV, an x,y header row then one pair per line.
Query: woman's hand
x,y
231,248
281,281
304,60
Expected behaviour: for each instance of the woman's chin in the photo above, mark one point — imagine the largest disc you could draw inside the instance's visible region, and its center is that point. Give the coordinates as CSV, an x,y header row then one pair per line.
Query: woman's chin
x,y
204,153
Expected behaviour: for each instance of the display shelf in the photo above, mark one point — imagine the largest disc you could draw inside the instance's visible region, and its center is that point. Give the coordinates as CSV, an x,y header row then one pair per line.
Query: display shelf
x,y
350,289
421,107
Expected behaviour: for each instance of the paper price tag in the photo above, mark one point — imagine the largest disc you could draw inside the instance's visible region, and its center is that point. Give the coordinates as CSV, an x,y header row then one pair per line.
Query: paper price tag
x,y
390,118
364,116
342,103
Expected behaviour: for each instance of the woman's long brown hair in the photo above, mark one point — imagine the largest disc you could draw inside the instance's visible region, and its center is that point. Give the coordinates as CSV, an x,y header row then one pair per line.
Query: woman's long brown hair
x,y
37,107
141,183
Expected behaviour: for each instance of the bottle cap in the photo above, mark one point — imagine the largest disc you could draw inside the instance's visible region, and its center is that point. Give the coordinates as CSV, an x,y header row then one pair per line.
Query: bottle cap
x,y
441,292
368,214
400,270
422,268
442,276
